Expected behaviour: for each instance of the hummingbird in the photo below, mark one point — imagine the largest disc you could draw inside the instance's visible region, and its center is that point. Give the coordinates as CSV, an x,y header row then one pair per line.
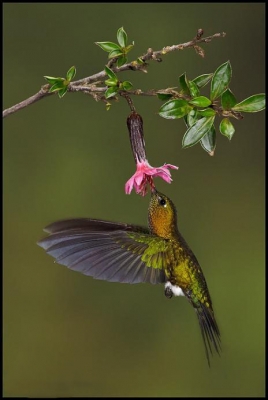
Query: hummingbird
x,y
119,252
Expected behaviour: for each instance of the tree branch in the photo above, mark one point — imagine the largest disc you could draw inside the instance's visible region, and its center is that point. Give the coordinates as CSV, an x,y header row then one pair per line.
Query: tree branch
x,y
43,92
98,94
85,84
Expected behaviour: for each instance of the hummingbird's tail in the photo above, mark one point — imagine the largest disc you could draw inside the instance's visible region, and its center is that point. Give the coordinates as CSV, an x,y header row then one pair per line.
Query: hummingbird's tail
x,y
209,329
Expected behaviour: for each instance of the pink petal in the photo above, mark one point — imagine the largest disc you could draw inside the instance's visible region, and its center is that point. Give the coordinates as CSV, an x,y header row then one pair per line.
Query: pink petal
x,y
129,185
144,169
170,166
138,177
165,176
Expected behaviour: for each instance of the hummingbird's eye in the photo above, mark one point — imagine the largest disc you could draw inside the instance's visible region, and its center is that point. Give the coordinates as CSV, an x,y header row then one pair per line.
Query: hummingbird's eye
x,y
162,202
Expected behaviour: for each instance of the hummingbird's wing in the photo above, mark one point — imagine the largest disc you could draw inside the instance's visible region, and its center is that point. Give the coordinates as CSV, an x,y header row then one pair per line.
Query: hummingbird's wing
x,y
92,225
110,251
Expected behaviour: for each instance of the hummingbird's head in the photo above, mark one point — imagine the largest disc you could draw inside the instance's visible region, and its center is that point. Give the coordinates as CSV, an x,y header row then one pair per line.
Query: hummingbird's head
x,y
162,215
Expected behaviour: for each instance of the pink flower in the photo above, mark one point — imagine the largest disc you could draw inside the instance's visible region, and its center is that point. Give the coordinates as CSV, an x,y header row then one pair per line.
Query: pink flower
x,y
145,174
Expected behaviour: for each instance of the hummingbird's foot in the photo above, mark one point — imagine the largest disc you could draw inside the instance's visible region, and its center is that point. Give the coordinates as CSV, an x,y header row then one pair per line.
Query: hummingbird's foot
x,y
168,292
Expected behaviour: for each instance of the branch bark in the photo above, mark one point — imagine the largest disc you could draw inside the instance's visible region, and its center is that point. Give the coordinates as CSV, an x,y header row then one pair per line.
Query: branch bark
x,y
88,84
43,92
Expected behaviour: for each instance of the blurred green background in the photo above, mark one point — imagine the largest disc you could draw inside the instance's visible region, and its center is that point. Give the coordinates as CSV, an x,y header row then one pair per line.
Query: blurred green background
x,y
66,334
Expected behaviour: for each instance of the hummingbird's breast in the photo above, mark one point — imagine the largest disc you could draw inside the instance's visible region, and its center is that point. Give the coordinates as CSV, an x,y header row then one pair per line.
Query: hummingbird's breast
x,y
184,275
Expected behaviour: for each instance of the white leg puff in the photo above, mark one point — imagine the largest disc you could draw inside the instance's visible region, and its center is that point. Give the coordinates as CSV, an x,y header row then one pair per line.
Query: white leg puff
x,y
176,290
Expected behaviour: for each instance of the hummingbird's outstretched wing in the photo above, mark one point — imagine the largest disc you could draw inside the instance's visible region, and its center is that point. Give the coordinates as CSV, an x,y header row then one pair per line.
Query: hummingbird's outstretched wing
x,y
106,250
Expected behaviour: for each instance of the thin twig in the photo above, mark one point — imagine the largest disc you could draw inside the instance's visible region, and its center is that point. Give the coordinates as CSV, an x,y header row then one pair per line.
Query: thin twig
x,y
80,85
129,101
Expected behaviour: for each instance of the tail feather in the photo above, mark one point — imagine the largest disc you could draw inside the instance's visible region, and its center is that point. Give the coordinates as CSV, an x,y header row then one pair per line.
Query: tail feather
x,y
209,329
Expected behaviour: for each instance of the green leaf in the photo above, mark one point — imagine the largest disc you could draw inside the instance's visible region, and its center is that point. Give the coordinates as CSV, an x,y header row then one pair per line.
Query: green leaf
x,y
192,117
115,53
57,86
110,73
71,73
129,47
122,37
108,106
185,120
62,92
164,96
227,128
208,141
220,80
184,84
193,89
108,46
200,101
252,104
111,82
111,92
202,80
228,100
174,109
197,131
121,61
127,85
208,112
140,61
52,79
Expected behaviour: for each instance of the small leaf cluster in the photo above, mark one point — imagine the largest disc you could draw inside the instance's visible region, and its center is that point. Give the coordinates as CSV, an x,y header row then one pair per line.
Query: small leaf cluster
x,y
60,85
118,51
114,84
199,112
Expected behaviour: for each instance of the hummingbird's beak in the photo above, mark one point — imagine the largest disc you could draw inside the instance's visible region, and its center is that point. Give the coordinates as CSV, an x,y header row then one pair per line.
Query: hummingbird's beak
x,y
153,191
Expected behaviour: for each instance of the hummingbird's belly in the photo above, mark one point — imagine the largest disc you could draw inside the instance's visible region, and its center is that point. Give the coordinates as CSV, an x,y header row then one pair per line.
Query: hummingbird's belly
x,y
176,290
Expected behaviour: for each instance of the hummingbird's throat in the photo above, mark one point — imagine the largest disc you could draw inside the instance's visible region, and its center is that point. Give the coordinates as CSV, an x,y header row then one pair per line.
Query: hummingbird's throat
x,y
160,226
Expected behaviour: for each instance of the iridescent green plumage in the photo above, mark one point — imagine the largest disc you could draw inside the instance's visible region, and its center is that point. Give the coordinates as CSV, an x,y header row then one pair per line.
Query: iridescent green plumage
x,y
132,254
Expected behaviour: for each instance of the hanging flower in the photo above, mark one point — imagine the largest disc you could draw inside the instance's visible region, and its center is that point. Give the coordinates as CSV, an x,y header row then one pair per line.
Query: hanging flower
x,y
145,172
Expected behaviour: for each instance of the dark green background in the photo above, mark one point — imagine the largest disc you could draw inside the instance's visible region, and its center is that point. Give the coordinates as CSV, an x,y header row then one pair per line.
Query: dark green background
x,y
66,334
